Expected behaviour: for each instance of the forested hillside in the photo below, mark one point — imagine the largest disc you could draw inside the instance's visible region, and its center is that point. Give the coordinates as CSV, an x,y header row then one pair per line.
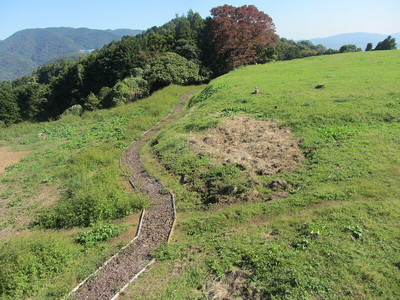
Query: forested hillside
x,y
186,50
27,49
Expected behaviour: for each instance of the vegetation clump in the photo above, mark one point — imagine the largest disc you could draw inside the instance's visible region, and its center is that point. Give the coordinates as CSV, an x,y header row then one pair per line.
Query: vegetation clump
x,y
98,233
27,262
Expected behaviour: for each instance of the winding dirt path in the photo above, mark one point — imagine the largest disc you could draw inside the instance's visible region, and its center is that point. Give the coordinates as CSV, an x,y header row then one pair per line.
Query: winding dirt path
x,y
156,226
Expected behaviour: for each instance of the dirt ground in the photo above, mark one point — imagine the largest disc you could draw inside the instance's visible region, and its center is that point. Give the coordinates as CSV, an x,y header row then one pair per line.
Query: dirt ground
x,y
19,217
9,158
262,147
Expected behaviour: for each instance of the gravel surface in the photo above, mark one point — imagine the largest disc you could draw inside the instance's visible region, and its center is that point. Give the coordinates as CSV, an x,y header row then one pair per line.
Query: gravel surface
x,y
157,224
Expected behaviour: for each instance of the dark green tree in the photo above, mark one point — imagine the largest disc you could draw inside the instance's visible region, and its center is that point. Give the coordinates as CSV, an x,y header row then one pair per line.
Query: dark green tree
x,y
32,100
197,24
369,47
183,30
387,44
187,49
47,73
349,48
9,110
156,42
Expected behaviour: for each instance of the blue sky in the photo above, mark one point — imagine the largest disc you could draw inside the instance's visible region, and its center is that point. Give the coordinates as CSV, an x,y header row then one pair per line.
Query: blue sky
x,y
294,19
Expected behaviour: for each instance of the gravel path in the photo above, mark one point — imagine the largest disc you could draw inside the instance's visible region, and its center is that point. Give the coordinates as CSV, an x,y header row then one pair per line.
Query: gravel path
x,y
157,222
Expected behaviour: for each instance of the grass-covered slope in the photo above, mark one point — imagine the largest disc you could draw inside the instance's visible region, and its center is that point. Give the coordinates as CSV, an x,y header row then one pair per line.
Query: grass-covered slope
x,y
336,233
70,176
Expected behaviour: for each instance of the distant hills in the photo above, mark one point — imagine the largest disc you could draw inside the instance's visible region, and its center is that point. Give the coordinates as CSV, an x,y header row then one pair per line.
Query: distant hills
x,y
25,50
360,39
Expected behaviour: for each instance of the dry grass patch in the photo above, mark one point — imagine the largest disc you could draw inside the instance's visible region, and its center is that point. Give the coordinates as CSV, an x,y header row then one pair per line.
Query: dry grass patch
x,y
262,147
17,214
9,158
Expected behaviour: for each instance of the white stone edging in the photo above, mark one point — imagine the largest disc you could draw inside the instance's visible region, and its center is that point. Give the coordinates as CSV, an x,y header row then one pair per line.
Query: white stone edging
x,y
112,257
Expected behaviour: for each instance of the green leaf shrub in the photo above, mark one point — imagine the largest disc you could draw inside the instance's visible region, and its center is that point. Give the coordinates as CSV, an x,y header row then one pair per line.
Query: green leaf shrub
x,y
27,262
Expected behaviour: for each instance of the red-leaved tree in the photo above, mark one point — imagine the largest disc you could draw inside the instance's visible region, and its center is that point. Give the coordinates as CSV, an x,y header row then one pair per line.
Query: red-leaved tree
x,y
237,33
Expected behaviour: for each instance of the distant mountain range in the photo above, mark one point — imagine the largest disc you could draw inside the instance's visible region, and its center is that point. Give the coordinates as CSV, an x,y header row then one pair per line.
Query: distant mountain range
x,y
360,39
25,50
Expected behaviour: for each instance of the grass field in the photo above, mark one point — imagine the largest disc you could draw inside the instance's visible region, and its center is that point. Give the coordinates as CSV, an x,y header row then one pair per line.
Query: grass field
x,y
336,233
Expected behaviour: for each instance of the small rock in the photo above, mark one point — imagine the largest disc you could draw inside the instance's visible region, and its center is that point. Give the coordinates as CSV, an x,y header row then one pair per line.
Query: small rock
x,y
278,184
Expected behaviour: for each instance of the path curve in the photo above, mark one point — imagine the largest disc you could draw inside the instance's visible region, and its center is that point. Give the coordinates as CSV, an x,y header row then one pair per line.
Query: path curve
x,y
156,226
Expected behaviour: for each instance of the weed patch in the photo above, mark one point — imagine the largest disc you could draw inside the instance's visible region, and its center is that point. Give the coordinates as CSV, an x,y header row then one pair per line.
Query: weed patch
x,y
98,233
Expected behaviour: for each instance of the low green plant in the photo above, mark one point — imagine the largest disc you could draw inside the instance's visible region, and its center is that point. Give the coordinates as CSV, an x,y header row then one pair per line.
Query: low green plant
x,y
356,231
98,233
170,252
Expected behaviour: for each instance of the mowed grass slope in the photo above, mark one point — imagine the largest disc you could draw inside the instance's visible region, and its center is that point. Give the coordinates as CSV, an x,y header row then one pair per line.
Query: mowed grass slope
x,y
336,234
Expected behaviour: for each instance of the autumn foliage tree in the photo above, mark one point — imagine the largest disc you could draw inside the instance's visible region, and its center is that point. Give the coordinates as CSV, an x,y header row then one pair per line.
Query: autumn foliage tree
x,y
238,32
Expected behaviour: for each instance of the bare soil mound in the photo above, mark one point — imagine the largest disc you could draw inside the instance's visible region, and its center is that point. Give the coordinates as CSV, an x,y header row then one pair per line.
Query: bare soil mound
x,y
262,147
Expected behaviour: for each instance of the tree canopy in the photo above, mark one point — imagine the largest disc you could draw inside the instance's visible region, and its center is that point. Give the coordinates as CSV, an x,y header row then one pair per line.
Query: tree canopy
x,y
387,44
349,48
9,110
369,47
238,32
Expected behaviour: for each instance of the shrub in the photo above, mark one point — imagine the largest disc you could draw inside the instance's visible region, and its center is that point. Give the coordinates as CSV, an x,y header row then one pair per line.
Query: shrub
x,y
94,193
127,90
171,68
27,261
92,102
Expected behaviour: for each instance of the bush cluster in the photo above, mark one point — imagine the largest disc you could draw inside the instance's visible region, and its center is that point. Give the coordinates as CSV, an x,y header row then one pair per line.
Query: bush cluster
x,y
27,262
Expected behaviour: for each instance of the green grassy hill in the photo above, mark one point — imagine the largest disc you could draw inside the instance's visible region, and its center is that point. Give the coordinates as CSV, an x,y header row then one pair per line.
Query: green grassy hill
x,y
332,231
324,227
